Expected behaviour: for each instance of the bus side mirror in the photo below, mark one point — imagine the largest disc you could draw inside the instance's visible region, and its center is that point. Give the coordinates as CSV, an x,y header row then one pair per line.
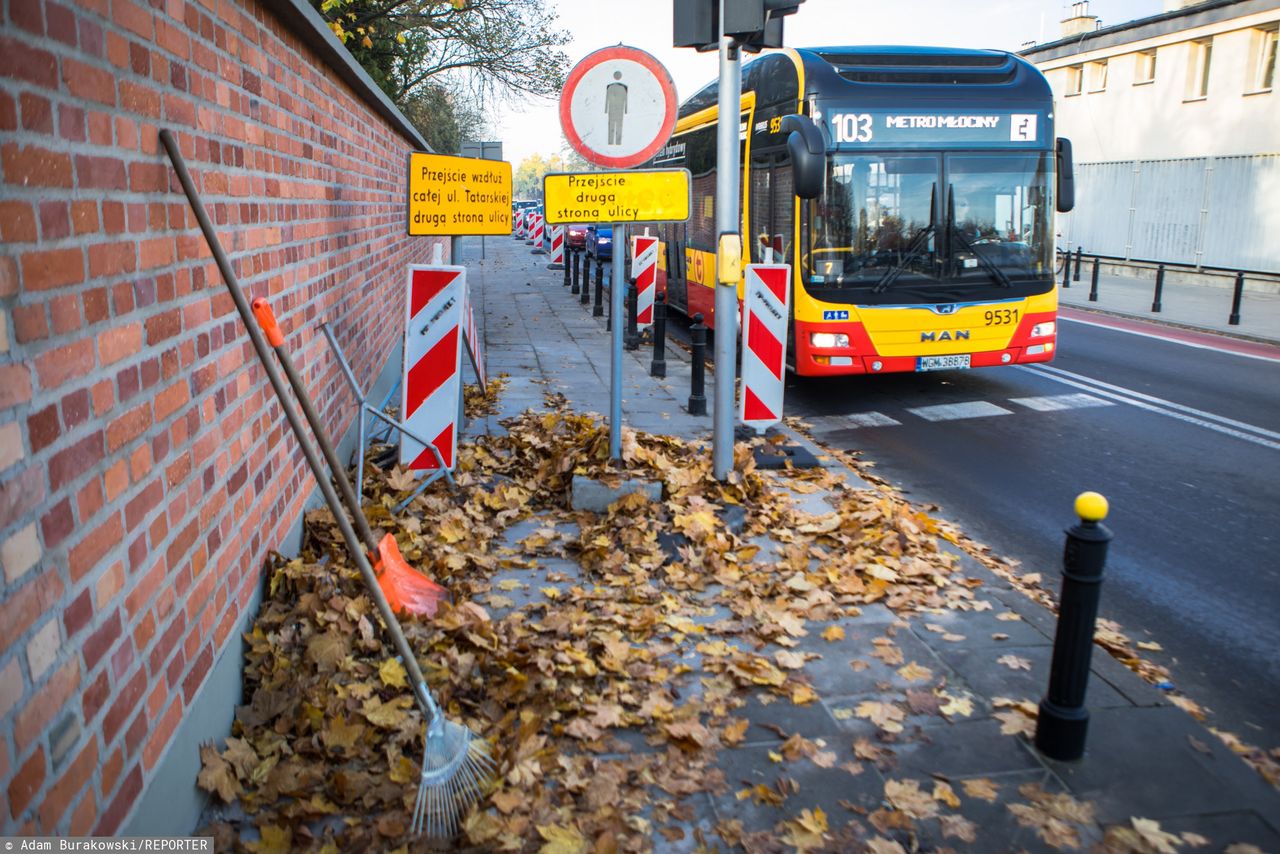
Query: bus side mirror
x,y
1066,176
808,152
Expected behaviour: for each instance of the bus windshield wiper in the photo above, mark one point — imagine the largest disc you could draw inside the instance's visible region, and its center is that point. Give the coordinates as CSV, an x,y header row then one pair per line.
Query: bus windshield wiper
x,y
918,243
994,269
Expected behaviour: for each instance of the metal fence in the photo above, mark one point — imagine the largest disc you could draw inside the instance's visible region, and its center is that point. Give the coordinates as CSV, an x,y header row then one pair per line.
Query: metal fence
x,y
1200,211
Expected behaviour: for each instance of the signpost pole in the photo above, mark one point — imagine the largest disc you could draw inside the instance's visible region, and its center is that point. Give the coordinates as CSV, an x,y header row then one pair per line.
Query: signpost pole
x,y
616,310
728,171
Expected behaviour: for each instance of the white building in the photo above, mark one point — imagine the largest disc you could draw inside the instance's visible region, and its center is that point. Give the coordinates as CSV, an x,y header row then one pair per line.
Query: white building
x,y
1175,124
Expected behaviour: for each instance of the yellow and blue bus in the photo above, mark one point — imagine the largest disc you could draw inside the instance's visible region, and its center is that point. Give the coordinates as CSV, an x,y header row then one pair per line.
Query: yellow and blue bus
x,y
911,189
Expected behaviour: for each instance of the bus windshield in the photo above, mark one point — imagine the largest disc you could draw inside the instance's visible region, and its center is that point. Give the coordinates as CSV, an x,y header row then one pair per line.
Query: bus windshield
x,y
928,227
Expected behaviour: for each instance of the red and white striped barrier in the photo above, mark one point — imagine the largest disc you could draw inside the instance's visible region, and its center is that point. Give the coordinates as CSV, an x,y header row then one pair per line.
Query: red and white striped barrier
x,y
644,269
539,227
472,337
765,308
518,224
432,381
557,245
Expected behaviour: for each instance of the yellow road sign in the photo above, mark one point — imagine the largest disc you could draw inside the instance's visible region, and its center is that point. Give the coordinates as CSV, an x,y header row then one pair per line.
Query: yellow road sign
x,y
458,195
656,195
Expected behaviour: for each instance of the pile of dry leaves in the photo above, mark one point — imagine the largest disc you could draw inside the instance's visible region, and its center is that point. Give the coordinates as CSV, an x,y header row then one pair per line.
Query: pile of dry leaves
x,y
578,690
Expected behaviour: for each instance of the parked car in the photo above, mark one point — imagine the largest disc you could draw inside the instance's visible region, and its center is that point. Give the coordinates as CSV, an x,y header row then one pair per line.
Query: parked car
x,y
575,236
600,241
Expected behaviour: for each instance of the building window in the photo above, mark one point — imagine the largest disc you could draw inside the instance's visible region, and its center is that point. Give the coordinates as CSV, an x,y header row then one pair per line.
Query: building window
x,y
1145,72
1075,79
1264,60
1098,76
1198,70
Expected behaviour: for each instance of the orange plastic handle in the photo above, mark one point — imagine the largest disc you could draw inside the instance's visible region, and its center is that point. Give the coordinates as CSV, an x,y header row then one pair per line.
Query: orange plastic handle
x,y
267,320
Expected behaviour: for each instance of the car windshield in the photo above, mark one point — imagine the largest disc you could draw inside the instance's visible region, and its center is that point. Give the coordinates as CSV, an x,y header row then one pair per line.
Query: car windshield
x,y
927,227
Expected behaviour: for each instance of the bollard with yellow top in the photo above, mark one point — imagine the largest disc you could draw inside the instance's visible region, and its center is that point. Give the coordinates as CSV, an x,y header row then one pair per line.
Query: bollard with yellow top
x,y
1064,721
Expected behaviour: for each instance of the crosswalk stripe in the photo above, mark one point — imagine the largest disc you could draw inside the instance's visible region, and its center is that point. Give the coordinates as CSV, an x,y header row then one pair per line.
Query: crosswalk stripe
x,y
872,419
956,411
1059,402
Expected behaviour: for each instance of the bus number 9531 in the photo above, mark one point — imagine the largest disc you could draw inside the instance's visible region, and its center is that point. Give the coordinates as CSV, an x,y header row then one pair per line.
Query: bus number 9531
x,y
1001,316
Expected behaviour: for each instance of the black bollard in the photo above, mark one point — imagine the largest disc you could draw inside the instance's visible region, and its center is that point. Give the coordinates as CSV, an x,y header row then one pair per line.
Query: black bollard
x,y
658,367
586,291
697,370
1093,286
598,310
1064,721
1066,269
1155,302
1234,319
566,274
1079,252
631,340
577,258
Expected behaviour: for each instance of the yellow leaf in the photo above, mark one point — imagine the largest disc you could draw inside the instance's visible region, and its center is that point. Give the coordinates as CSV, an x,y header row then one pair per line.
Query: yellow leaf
x,y
956,706
833,633
789,660
914,672
735,731
981,788
1152,646
275,840
562,840
393,674
943,792
366,42
802,695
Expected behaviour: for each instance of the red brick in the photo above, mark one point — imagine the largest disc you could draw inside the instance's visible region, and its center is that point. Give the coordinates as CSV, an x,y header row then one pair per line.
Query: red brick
x,y
130,788
134,735
43,428
71,123
149,178
73,780
142,504
142,590
155,253
85,813
171,400
116,479
99,128
97,307
55,367
30,323
119,342
84,217
15,385
89,498
139,59
45,704
128,427
110,583
27,782
139,98
65,311
164,325
56,522
20,61
55,220
31,165
8,112
8,275
61,24
86,554
92,701
30,601
133,17
37,113
103,173
75,408
89,82
70,463
195,676
112,259
28,14
144,631
52,268
103,396
17,222
100,642
161,732
181,544
124,706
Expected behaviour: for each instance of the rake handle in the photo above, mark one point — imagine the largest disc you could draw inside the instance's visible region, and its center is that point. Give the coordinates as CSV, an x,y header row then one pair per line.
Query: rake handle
x,y
425,702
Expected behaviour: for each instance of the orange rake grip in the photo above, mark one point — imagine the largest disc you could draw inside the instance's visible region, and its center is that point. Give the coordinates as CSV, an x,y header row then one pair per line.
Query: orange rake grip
x,y
267,321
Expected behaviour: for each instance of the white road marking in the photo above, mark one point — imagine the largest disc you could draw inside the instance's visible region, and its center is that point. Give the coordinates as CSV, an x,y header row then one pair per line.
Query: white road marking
x,y
1059,402
956,411
1169,340
872,419
1218,423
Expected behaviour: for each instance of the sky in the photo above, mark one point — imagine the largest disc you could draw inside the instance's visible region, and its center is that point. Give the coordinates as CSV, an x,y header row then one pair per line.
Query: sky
x,y
533,127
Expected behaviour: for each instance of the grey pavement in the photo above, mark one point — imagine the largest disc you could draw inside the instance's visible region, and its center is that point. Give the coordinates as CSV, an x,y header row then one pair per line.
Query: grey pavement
x,y
1146,758
1130,292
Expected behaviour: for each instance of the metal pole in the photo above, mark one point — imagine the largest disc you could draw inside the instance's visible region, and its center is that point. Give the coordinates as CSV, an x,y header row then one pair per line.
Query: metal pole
x,y
1234,319
598,311
658,366
1155,302
1079,252
698,339
615,313
1063,721
1066,269
727,223
1093,285
632,340
586,283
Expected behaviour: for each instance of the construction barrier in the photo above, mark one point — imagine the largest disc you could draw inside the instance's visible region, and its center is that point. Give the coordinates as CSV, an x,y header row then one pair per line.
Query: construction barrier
x,y
557,246
432,381
644,271
535,236
765,308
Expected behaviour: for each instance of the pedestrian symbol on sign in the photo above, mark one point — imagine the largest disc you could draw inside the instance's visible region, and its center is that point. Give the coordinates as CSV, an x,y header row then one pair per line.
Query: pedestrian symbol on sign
x,y
615,104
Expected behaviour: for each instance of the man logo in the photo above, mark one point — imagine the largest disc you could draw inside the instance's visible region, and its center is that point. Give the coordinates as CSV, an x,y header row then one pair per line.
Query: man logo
x,y
945,308
946,335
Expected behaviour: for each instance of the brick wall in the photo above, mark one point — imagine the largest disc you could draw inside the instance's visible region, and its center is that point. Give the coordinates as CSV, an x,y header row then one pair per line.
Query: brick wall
x,y
145,469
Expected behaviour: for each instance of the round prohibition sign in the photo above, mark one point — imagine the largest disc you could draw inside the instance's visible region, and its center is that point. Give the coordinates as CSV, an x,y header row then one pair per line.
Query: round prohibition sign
x,y
618,107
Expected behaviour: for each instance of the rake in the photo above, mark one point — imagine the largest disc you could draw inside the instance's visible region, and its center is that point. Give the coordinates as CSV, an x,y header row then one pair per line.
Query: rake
x,y
455,764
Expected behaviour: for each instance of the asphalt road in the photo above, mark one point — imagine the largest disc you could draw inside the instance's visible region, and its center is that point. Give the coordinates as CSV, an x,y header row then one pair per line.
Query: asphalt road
x,y
1183,441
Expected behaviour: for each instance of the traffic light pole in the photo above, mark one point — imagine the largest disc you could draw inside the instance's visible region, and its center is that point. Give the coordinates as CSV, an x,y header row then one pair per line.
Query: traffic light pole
x,y
728,175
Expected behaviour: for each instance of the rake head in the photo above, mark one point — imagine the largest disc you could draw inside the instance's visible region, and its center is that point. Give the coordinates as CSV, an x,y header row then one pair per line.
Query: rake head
x,y
455,768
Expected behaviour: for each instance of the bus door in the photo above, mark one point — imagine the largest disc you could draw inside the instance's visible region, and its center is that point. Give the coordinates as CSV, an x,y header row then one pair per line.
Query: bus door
x,y
772,219
676,238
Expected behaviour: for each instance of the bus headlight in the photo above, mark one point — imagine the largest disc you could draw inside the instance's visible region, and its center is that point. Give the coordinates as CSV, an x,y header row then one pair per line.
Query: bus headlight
x,y
828,339
1043,330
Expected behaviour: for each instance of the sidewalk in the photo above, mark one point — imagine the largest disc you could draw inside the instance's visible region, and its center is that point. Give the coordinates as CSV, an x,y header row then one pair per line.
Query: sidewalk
x,y
1192,306
1147,759
782,662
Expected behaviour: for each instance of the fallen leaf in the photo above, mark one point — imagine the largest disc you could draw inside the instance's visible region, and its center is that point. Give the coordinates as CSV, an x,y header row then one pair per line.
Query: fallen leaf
x,y
1013,662
833,633
393,674
958,827
887,716
562,840
944,793
1159,840
216,775
1151,646
907,797
981,788
914,672
1015,723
